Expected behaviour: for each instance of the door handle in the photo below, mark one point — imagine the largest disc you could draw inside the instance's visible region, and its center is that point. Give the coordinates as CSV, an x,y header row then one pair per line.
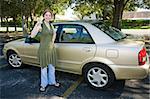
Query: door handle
x,y
87,49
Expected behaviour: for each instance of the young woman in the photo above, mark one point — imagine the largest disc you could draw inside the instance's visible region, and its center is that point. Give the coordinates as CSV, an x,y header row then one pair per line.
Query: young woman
x,y
47,52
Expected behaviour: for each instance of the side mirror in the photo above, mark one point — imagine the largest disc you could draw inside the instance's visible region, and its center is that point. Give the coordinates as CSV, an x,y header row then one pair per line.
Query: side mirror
x,y
28,39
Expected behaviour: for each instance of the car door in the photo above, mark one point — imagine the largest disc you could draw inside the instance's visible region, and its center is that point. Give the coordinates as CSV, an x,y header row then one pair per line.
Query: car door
x,y
31,47
74,46
31,50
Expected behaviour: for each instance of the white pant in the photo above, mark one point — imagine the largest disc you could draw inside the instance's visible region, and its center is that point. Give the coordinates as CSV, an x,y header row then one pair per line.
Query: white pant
x,y
48,75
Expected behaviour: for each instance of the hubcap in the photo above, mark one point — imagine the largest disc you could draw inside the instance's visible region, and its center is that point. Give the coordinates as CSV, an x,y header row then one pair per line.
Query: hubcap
x,y
15,60
97,77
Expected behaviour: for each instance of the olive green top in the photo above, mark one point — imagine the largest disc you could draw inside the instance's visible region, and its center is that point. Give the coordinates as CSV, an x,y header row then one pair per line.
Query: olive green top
x,y
47,52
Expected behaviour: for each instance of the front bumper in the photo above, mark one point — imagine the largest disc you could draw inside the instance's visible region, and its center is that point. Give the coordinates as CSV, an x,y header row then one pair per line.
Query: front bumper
x,y
4,52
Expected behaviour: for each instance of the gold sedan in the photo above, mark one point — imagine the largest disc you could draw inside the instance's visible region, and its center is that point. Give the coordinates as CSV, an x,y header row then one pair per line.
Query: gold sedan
x,y
100,53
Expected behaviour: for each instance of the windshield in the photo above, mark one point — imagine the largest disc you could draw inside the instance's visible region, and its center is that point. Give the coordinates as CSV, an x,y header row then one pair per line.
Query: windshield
x,y
114,33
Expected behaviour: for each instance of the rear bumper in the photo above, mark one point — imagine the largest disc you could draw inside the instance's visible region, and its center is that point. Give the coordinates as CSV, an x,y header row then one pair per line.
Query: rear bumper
x,y
132,72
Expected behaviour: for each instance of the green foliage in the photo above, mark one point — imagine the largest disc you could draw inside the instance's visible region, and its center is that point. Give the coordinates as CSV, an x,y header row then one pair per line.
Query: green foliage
x,y
104,9
9,8
57,6
136,24
132,4
88,7
111,10
30,9
11,23
143,4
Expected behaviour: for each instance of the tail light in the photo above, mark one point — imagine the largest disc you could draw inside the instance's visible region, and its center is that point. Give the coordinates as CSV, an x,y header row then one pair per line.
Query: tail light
x,y
142,56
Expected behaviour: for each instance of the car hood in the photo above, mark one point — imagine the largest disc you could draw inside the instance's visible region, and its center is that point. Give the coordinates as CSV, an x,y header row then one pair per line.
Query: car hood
x,y
15,42
19,40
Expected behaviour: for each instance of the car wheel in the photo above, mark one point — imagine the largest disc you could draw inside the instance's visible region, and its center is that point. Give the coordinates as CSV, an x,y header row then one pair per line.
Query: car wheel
x,y
98,76
14,60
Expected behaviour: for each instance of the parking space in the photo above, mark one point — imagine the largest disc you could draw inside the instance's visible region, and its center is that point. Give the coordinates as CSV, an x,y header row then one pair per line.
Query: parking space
x,y
23,83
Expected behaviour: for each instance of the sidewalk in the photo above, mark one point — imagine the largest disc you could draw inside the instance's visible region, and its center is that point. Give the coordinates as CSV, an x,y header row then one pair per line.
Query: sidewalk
x,y
10,29
139,32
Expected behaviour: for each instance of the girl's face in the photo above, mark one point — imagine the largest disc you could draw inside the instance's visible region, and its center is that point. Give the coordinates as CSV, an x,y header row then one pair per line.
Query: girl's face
x,y
47,16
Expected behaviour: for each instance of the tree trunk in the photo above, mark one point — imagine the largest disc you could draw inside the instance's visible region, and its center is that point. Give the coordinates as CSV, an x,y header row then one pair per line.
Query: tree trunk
x,y
26,22
97,16
23,26
1,21
14,19
7,25
104,14
31,23
117,13
54,16
25,30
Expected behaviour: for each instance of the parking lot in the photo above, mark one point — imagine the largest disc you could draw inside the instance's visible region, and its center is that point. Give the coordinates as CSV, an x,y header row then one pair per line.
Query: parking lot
x,y
23,83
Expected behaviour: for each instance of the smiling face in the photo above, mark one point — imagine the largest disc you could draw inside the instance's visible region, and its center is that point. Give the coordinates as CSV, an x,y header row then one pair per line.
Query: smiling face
x,y
47,16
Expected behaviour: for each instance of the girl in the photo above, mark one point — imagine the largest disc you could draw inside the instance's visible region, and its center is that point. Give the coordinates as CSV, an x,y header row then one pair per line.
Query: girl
x,y
47,52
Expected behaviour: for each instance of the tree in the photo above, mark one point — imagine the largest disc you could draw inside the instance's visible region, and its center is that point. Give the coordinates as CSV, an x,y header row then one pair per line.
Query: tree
x,y
9,9
119,6
111,10
104,9
31,8
83,9
143,4
57,6
88,7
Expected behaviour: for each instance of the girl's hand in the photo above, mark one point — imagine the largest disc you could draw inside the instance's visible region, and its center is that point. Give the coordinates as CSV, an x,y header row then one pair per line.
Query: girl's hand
x,y
36,29
52,43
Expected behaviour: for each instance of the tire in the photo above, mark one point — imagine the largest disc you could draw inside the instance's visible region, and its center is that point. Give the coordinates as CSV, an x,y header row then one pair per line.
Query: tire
x,y
98,76
14,60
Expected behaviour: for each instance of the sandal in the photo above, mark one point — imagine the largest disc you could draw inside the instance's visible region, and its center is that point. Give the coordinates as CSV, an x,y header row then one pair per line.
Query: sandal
x,y
57,85
42,89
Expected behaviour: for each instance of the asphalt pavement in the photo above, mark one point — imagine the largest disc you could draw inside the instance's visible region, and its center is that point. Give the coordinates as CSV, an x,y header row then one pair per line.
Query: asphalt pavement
x,y
23,83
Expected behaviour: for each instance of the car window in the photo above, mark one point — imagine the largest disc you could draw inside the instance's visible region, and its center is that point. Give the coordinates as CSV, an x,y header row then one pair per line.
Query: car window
x,y
114,33
36,39
74,34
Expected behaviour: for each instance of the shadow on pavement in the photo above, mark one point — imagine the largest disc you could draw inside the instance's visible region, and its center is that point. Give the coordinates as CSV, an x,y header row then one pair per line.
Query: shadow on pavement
x,y
85,92
23,83
139,87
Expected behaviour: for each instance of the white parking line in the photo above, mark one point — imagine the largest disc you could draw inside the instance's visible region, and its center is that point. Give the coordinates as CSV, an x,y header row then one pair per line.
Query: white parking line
x,y
3,66
1,57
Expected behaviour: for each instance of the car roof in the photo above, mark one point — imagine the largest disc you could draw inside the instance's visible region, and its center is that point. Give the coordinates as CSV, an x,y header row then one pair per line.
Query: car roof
x,y
79,21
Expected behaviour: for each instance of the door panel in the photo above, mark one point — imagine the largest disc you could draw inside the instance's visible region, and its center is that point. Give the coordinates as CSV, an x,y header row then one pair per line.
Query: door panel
x,y
30,52
71,56
74,47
